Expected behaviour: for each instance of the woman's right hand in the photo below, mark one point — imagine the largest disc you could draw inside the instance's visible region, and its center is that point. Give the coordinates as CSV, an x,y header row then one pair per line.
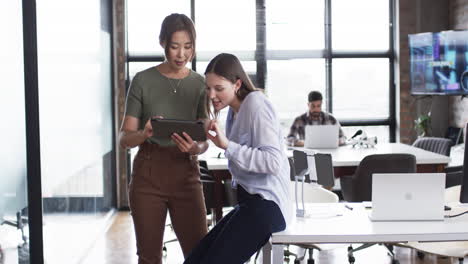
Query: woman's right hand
x,y
148,129
216,135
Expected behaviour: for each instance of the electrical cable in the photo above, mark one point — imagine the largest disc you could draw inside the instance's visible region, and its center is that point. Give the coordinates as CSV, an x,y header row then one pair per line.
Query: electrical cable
x,y
451,216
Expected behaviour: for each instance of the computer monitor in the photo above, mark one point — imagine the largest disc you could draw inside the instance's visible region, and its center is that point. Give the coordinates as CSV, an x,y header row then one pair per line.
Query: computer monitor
x,y
464,186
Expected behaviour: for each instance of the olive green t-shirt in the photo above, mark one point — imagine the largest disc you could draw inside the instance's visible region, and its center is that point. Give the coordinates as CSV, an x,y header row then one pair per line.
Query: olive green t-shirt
x,y
152,94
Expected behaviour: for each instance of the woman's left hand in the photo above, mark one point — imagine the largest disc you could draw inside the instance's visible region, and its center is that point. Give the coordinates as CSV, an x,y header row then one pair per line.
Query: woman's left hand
x,y
186,144
216,135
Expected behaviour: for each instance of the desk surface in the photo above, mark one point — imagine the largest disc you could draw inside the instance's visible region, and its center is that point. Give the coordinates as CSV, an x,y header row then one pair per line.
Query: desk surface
x,y
349,156
354,226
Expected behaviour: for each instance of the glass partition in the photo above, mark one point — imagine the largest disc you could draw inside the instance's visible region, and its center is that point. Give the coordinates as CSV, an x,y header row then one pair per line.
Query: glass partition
x,y
14,235
75,107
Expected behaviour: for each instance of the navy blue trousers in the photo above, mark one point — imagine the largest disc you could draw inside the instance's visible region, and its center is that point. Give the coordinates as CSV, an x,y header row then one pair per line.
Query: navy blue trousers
x,y
240,233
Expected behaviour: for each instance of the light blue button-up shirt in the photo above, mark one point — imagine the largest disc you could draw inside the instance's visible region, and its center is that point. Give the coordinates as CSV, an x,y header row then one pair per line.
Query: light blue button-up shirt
x,y
256,152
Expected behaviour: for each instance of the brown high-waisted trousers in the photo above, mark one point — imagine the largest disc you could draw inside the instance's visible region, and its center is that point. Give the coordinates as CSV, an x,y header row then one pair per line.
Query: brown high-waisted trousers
x,y
165,179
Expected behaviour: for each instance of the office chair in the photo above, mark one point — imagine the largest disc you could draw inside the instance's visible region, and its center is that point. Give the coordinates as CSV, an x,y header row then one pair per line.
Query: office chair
x,y
434,144
208,183
358,187
208,191
441,146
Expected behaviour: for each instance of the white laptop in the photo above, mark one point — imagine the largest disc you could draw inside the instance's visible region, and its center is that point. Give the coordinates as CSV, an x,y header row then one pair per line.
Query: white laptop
x,y
407,196
321,136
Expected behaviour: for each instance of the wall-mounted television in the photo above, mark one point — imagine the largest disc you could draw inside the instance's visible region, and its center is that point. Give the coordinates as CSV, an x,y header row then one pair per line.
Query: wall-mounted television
x,y
439,63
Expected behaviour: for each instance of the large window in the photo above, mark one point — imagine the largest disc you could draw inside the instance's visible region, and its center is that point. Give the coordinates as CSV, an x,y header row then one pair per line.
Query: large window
x,y
342,48
144,22
360,25
76,131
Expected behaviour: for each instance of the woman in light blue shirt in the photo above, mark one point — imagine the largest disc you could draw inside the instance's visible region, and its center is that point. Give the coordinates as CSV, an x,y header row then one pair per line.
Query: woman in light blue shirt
x,y
256,159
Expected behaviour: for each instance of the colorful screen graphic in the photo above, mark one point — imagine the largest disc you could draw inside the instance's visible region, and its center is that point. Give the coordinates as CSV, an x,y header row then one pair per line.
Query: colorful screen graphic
x,y
439,63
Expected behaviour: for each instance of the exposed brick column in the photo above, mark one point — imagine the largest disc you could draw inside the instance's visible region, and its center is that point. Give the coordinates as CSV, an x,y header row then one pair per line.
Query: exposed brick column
x,y
458,20
407,25
416,16
119,98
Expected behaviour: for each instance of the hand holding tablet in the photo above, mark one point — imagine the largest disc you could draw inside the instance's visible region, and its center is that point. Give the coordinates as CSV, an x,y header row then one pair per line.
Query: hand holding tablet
x,y
164,128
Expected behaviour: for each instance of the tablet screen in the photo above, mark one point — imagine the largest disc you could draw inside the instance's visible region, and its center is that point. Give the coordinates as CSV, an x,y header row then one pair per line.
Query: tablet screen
x,y
164,128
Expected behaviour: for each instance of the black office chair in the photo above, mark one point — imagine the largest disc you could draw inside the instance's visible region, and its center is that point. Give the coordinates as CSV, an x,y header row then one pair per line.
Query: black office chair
x,y
434,144
208,193
358,187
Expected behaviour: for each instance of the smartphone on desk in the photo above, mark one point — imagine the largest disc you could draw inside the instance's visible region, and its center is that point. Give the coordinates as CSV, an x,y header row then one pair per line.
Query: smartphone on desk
x,y
163,128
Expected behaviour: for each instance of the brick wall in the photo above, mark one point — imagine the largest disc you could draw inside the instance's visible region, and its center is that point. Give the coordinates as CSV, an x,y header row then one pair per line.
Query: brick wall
x,y
407,23
458,20
416,16
119,98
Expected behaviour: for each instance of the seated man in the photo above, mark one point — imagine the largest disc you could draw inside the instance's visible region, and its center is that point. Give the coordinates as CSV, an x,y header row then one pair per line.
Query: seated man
x,y
315,116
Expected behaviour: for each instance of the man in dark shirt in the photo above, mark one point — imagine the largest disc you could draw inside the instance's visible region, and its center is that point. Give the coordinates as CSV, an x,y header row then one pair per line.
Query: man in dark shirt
x,y
315,116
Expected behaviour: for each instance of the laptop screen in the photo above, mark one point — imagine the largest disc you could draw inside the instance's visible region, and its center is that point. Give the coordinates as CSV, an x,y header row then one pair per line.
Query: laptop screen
x,y
408,196
321,136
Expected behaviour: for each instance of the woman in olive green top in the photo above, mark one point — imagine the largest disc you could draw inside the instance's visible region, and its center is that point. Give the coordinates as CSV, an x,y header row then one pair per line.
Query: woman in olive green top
x,y
165,175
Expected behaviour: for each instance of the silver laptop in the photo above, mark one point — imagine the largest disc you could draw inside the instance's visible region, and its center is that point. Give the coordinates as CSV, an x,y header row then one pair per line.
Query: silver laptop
x,y
321,136
407,196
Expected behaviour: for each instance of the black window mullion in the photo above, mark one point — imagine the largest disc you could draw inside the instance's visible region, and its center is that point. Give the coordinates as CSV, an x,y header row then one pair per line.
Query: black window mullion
x,y
192,16
328,57
360,54
390,54
260,53
366,122
33,151
392,85
144,58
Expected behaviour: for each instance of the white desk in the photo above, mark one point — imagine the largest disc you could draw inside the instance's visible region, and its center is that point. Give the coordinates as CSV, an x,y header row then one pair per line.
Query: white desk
x,y
345,160
347,156
355,227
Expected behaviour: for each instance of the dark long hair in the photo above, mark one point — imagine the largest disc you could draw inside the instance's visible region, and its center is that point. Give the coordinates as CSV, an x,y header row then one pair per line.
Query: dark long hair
x,y
173,23
229,67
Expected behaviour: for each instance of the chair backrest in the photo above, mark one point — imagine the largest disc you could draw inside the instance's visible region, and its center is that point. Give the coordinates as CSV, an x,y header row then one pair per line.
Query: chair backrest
x,y
378,163
312,193
292,169
434,144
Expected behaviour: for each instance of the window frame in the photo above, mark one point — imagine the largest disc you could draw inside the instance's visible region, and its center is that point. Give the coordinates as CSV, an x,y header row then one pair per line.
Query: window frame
x,y
262,55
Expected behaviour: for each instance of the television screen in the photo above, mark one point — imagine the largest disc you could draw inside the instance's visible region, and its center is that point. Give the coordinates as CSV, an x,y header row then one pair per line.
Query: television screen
x,y
439,63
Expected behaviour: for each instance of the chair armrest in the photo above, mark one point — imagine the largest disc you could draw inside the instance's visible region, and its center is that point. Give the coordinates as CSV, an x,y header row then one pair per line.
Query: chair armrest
x,y
206,178
204,170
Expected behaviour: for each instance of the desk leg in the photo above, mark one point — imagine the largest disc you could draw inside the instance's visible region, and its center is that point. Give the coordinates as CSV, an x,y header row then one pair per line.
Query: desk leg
x,y
266,253
278,254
